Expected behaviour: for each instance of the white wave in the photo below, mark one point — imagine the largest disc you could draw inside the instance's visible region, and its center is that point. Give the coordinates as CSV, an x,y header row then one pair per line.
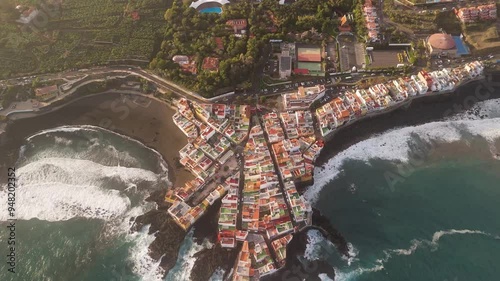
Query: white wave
x,y
59,202
60,188
218,275
353,274
488,129
144,266
345,276
324,277
406,252
313,246
76,171
481,110
415,245
437,235
57,189
96,131
92,150
63,141
353,253
394,145
186,260
66,129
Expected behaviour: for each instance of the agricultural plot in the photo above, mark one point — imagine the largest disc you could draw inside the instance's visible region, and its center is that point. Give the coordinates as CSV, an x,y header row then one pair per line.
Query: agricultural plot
x,y
81,33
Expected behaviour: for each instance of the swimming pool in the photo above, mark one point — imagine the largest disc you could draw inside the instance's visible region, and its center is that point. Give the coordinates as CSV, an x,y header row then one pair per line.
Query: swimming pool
x,y
217,10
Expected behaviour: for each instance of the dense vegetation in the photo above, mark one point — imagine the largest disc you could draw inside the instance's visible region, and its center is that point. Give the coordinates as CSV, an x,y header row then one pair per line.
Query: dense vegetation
x,y
77,33
192,34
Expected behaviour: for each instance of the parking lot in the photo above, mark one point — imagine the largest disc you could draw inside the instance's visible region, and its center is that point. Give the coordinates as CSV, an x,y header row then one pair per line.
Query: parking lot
x,y
347,47
271,68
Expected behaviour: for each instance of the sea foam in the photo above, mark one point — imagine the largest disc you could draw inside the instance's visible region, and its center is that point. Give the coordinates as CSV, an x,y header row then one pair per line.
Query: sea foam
x,y
97,133
186,258
481,110
57,189
144,266
415,244
313,246
58,183
394,145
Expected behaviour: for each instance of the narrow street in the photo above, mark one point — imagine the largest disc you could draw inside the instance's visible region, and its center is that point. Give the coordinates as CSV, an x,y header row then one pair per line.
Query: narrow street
x,y
276,168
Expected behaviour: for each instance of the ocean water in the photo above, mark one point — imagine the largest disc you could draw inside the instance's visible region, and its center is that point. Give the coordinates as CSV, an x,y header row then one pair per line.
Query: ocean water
x,y
186,259
78,188
416,203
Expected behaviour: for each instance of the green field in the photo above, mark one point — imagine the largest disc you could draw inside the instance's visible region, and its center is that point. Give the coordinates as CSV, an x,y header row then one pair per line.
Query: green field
x,y
78,34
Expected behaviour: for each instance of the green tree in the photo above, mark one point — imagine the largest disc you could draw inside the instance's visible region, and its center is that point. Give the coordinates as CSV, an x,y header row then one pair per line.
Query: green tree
x,y
36,82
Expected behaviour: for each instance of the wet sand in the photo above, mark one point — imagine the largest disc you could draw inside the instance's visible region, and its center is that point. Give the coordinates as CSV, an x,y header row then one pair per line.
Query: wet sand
x,y
146,120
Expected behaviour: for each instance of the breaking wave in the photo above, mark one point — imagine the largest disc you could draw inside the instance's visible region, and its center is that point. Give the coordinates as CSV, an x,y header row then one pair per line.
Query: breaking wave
x,y
482,110
186,258
144,265
313,247
92,173
395,145
431,244
57,189
86,142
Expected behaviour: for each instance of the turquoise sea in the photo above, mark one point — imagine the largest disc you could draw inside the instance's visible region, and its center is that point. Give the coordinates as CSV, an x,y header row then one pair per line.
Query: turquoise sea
x,y
78,188
418,203
433,219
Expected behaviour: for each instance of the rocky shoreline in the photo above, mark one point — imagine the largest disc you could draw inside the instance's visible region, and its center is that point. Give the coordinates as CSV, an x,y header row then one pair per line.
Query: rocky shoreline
x,y
419,111
159,126
303,268
150,123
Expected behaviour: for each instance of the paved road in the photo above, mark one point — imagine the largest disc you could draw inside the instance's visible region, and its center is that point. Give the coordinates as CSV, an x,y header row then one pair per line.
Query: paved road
x,y
111,71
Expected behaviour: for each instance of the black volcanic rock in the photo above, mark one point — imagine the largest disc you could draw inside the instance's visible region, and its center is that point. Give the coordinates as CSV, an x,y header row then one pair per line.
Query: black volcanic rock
x,y
208,260
332,234
168,235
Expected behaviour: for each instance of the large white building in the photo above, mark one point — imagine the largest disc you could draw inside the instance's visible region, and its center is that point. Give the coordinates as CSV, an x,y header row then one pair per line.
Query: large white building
x,y
303,98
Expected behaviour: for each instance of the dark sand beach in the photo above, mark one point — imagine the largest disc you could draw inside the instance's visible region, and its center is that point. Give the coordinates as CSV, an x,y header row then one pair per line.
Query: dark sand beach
x,y
150,122
146,120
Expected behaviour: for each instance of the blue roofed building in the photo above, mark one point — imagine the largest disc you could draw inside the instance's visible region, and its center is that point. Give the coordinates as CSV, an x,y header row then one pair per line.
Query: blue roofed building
x,y
462,48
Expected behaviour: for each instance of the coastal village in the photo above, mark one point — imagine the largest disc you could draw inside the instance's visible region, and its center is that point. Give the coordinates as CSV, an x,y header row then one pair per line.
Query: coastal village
x,y
252,159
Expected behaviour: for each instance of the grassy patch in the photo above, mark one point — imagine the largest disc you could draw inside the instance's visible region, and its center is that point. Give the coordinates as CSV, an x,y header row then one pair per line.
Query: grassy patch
x,y
483,37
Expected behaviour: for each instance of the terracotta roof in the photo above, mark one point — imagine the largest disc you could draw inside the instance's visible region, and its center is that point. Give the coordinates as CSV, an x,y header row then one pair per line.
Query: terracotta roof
x,y
238,23
46,90
210,63
442,41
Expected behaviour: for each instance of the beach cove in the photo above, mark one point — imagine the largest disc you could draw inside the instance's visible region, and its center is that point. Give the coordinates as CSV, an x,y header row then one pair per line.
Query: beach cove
x,y
152,125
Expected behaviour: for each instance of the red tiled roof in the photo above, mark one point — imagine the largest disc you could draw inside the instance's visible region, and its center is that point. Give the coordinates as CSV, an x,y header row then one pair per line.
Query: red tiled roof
x,y
219,43
210,63
300,71
238,23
